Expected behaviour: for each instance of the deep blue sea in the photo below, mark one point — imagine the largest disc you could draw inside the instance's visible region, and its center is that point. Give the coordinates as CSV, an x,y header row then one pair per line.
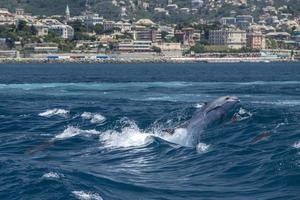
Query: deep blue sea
x,y
96,131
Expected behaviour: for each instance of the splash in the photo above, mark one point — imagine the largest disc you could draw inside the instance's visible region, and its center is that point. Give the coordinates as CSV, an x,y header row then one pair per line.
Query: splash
x,y
199,105
297,145
202,148
72,131
94,118
53,112
82,195
242,114
180,137
130,136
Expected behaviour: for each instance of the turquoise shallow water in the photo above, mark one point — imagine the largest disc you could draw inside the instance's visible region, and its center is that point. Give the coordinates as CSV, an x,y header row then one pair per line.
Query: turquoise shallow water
x,y
96,132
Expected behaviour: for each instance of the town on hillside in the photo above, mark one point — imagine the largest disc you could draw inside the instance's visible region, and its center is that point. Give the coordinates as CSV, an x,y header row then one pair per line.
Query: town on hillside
x,y
274,34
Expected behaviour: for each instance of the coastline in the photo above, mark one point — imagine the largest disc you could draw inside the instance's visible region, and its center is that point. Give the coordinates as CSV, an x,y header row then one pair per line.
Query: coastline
x,y
149,60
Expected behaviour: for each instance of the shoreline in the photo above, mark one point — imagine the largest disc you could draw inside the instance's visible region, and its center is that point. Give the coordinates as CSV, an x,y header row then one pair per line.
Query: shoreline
x,y
179,60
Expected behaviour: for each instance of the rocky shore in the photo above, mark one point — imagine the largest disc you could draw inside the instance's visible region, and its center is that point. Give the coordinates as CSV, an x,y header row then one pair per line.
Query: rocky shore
x,y
147,60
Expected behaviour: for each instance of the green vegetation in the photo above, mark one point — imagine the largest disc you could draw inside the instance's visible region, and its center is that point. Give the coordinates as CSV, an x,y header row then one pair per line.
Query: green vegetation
x,y
271,44
201,48
156,49
108,10
21,32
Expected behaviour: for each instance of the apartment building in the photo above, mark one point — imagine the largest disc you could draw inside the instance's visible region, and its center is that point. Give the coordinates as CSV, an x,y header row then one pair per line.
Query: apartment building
x,y
232,38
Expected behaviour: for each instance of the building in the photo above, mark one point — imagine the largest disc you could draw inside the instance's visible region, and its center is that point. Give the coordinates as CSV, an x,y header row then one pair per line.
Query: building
x,y
245,18
108,25
227,21
123,26
42,30
20,11
41,47
135,46
6,18
63,31
244,21
3,44
94,19
8,54
185,36
168,46
232,38
255,40
142,33
196,4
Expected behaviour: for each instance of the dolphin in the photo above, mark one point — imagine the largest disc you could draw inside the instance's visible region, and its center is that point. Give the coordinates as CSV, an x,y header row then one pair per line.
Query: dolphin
x,y
216,112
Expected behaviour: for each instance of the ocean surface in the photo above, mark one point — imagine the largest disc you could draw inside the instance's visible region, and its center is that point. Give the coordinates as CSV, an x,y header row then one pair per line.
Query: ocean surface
x,y
97,131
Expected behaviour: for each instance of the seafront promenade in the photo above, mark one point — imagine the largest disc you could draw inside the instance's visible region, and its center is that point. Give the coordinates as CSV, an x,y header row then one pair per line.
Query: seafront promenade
x,y
166,57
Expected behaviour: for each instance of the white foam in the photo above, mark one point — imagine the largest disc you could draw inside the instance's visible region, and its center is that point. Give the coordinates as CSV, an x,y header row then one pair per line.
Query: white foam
x,y
93,117
199,105
130,136
82,195
72,131
180,136
280,102
242,114
297,145
52,175
55,111
202,147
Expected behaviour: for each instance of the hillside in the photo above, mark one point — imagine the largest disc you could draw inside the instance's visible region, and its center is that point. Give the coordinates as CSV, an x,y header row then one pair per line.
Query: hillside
x,y
108,10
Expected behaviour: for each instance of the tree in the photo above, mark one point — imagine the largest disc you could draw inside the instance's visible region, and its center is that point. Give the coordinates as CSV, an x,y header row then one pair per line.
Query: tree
x,y
98,28
164,35
21,25
197,48
156,49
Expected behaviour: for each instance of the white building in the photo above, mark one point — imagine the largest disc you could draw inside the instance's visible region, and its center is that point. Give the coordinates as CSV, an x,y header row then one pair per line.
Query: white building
x,y
6,18
64,31
232,38
123,26
135,46
94,19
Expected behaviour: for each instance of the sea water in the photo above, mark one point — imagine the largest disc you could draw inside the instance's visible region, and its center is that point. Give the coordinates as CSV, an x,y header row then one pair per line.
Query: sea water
x,y
97,131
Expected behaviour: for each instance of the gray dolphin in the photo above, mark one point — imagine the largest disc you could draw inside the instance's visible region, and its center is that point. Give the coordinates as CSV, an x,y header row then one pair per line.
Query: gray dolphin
x,y
215,112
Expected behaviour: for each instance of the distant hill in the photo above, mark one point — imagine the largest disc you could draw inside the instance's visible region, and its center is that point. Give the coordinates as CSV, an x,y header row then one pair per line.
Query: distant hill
x,y
57,7
108,10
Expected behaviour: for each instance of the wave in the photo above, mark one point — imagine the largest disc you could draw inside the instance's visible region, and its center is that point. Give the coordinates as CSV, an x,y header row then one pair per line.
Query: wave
x,y
72,131
279,103
83,195
132,136
199,105
97,86
52,175
124,85
53,112
93,117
